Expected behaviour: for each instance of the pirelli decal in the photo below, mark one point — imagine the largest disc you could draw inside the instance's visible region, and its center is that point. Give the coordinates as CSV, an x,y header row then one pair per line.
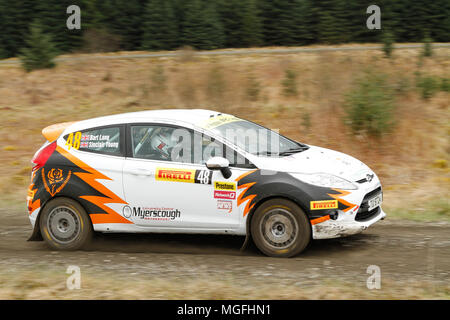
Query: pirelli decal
x,y
324,204
184,175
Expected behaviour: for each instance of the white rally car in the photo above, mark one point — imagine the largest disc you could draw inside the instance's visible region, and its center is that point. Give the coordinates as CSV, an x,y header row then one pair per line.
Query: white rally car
x,y
195,171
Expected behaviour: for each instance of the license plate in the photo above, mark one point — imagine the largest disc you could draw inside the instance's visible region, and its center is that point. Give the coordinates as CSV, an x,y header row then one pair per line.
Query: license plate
x,y
375,202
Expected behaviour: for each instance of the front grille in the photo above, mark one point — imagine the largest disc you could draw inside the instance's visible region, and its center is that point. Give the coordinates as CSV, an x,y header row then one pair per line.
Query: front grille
x,y
367,215
363,213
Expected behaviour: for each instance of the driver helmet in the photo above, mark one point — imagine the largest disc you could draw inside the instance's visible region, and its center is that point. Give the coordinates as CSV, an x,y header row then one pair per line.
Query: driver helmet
x,y
163,142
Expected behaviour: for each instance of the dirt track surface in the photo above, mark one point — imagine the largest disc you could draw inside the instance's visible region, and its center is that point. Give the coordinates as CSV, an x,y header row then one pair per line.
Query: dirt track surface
x,y
403,250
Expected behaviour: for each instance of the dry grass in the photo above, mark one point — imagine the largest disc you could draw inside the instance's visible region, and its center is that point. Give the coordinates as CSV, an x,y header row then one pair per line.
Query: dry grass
x,y
51,284
80,89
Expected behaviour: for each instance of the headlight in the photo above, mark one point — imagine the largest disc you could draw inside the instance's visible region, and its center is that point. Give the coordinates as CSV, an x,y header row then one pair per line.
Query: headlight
x,y
325,180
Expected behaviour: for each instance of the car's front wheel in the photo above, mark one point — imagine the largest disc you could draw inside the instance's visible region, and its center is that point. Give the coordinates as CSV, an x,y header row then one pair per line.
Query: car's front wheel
x,y
280,228
65,225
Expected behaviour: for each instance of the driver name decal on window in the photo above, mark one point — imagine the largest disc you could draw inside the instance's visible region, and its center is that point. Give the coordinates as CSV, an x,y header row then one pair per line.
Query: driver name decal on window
x,y
102,140
184,175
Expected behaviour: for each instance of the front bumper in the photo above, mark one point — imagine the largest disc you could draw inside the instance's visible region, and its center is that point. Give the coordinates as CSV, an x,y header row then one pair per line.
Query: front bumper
x,y
354,220
335,229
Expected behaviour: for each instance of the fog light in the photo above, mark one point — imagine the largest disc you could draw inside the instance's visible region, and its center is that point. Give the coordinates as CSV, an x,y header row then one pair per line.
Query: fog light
x,y
334,215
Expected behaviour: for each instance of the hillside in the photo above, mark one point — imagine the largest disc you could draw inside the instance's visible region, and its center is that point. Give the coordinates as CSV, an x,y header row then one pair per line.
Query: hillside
x,y
302,94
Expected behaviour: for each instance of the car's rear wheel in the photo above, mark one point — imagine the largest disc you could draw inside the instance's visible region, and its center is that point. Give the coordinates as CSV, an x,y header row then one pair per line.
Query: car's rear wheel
x,y
65,225
280,228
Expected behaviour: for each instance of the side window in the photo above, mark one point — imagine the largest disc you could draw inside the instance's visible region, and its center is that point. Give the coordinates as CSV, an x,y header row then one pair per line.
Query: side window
x,y
206,147
159,142
104,140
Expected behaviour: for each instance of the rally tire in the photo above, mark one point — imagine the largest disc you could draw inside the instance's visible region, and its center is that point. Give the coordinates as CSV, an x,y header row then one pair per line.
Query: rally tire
x,y
65,225
280,228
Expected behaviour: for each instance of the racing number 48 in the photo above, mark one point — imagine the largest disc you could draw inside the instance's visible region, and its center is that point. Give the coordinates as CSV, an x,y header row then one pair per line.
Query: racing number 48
x,y
203,176
74,140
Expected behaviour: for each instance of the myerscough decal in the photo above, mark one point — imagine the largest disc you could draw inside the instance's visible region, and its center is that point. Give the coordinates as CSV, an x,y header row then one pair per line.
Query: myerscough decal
x,y
151,213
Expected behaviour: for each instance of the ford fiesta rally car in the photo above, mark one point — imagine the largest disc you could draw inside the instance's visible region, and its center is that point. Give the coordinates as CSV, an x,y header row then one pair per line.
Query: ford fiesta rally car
x,y
195,171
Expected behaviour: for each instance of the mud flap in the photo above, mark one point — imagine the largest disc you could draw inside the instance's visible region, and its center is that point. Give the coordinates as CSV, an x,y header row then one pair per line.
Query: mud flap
x,y
36,234
246,242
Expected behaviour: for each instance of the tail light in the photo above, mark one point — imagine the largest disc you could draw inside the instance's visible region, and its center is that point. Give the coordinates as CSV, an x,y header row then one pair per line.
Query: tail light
x,y
41,157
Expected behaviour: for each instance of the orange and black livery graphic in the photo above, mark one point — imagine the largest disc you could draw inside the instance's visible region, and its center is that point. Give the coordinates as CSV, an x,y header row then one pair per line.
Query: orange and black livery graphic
x,y
66,175
317,202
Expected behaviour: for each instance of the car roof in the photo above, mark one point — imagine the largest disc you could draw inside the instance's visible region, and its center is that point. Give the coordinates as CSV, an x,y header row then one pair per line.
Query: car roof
x,y
186,116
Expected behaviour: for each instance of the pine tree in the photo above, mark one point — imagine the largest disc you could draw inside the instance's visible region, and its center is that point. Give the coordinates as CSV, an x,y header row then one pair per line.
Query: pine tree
x,y
306,20
427,47
331,24
39,51
201,27
53,17
230,12
125,20
213,28
388,43
15,17
251,31
160,29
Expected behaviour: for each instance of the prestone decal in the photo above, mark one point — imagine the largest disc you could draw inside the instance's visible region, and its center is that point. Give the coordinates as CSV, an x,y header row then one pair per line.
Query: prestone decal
x,y
225,186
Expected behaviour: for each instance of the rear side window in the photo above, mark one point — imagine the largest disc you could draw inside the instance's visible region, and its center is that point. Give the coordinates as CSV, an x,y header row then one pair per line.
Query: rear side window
x,y
105,140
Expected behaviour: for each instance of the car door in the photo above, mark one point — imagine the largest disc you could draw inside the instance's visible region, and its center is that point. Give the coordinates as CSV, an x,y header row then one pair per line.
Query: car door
x,y
176,191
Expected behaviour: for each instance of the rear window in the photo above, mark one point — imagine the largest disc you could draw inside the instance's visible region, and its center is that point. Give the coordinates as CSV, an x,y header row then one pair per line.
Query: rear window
x,y
106,140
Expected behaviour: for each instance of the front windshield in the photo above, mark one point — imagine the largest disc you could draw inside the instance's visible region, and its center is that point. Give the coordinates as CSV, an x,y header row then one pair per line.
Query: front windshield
x,y
253,138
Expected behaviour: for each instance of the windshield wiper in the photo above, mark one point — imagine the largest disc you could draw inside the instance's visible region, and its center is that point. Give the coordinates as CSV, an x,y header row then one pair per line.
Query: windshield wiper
x,y
283,153
266,153
293,150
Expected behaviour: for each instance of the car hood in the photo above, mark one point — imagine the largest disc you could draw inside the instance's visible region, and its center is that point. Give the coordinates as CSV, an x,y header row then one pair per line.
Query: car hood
x,y
315,160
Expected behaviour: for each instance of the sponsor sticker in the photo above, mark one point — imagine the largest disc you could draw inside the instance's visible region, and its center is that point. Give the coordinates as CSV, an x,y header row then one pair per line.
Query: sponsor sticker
x,y
175,175
218,121
224,185
324,204
225,205
151,213
184,175
224,194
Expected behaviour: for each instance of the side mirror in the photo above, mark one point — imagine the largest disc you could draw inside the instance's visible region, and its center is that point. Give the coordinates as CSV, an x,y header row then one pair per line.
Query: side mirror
x,y
219,163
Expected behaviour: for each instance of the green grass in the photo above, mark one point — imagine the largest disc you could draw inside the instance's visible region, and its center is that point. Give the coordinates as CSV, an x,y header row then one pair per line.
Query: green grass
x,y
434,210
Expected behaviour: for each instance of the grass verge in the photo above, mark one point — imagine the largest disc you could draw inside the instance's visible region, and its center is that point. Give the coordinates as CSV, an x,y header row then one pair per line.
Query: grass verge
x,y
51,284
